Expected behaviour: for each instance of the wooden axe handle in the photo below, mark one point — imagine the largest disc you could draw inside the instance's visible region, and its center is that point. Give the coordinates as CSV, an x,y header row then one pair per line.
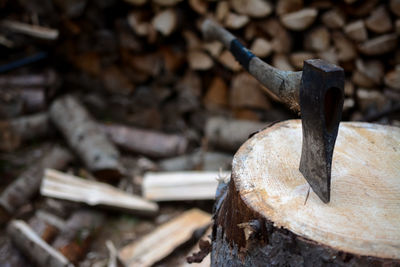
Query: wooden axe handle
x,y
284,84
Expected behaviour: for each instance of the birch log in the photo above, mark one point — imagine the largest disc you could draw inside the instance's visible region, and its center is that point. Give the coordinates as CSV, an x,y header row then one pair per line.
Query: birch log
x,y
86,138
268,218
27,184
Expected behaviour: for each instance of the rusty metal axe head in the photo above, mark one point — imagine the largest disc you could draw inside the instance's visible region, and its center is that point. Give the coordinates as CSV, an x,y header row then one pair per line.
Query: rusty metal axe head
x,y
321,104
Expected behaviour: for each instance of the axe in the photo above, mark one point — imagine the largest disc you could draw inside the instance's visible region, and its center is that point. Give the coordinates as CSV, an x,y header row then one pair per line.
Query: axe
x,y
317,92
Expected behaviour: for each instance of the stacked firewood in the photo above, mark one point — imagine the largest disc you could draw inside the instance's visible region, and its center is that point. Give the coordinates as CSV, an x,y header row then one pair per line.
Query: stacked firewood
x,y
126,89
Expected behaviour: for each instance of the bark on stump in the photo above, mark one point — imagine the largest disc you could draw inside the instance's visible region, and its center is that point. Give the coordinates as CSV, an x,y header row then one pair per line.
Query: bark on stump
x,y
268,219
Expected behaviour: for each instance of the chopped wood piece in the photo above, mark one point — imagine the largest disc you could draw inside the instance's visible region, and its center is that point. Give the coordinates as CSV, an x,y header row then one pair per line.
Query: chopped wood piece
x,y
149,64
235,21
34,247
166,2
281,61
217,94
163,240
252,8
200,6
246,91
136,2
76,237
368,99
333,19
395,7
288,6
299,20
165,21
141,28
85,137
229,61
379,21
15,132
199,255
281,39
115,81
31,30
205,161
362,80
379,45
213,48
261,47
356,31
297,59
348,88
27,185
230,134
329,55
146,142
60,185
199,60
317,40
222,10
392,78
178,186
345,48
373,69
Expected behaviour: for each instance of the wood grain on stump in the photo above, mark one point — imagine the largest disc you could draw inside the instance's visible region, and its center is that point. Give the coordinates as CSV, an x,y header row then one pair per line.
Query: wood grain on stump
x,y
267,219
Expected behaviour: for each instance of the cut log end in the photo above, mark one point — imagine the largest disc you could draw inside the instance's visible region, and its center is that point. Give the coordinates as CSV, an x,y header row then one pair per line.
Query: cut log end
x,y
268,215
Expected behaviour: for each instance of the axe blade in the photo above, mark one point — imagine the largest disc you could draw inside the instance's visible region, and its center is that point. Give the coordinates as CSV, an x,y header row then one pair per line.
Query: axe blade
x,y
321,104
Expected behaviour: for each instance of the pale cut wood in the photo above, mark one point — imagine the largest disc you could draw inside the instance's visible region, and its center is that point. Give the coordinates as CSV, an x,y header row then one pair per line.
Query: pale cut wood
x,y
379,21
317,40
199,60
34,247
365,187
217,94
356,31
345,48
281,61
299,20
222,10
261,47
163,240
228,60
31,30
288,6
165,21
252,8
178,186
68,187
235,21
200,6
297,58
379,45
392,78
333,19
213,48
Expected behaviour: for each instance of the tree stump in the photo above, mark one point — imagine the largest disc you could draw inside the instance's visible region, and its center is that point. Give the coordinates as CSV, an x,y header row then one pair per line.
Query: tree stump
x,y
270,218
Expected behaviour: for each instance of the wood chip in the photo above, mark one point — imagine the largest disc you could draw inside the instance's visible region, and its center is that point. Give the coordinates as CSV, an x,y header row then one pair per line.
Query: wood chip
x,y
392,78
60,185
199,60
288,6
235,21
379,45
252,8
299,20
317,39
297,58
164,239
165,21
34,247
356,31
333,19
247,92
379,21
179,186
261,47
31,30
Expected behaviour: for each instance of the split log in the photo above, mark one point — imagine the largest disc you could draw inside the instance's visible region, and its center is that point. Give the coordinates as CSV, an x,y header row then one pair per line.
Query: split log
x,y
230,134
75,239
27,184
299,20
163,240
261,47
268,218
288,6
217,94
333,19
392,78
345,48
34,247
15,132
68,187
254,8
31,30
356,31
146,142
86,138
297,58
199,60
235,21
379,21
379,45
317,40
165,22
178,186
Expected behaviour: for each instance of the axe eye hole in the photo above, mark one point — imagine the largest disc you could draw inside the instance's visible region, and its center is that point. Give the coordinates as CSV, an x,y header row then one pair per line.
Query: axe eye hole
x,y
333,98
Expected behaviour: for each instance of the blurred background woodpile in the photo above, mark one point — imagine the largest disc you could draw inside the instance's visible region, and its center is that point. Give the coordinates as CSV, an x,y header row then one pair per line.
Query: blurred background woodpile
x,y
117,91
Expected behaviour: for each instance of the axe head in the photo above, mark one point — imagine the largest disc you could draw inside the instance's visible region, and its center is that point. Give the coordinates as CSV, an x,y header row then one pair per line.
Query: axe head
x,y
321,104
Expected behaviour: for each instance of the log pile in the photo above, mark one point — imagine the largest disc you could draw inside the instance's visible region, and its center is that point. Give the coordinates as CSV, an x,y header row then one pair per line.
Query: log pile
x,y
140,109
